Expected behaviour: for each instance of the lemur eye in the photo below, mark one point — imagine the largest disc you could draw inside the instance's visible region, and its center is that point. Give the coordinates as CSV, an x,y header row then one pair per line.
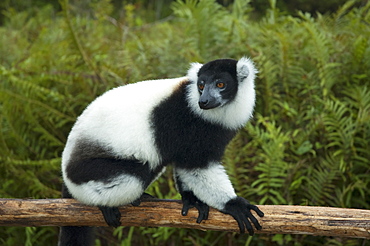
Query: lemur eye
x,y
201,85
220,85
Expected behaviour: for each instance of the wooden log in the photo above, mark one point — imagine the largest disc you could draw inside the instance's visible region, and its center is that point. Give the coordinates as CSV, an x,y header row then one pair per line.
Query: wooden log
x,y
319,221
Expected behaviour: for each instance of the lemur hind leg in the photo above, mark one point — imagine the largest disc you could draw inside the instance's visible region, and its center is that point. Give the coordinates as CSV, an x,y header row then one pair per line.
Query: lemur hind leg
x,y
112,215
111,183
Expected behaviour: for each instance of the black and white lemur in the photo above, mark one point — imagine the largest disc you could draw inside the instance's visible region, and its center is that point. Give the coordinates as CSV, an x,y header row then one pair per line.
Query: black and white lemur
x,y
125,139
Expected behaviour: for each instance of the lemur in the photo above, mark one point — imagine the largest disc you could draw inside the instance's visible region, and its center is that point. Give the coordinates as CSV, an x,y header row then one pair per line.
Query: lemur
x,y
125,139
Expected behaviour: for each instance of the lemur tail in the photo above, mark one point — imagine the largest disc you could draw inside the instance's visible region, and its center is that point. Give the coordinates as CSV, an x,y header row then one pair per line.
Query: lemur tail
x,y
75,235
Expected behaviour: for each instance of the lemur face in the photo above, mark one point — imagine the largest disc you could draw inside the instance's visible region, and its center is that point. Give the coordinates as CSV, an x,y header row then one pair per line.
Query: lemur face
x,y
217,83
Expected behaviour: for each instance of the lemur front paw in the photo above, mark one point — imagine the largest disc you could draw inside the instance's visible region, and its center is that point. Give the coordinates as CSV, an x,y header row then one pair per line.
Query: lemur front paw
x,y
239,208
112,215
189,200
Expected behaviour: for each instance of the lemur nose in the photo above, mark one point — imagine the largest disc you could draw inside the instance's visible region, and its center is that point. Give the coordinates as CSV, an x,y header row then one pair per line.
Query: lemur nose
x,y
203,103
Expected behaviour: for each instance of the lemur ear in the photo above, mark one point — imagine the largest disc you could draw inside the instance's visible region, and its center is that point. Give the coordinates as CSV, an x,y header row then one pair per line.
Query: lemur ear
x,y
245,68
193,71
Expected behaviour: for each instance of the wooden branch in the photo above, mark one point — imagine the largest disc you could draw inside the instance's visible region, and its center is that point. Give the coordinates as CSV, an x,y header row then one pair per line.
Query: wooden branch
x,y
319,221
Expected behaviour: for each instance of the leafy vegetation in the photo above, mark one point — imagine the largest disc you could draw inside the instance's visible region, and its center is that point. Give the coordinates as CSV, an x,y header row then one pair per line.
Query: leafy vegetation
x,y
308,143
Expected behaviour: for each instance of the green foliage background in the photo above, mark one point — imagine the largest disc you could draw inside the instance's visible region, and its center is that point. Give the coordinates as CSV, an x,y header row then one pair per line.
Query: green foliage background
x,y
308,144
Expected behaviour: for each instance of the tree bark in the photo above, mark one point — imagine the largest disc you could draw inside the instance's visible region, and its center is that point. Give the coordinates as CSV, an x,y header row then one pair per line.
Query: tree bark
x,y
319,221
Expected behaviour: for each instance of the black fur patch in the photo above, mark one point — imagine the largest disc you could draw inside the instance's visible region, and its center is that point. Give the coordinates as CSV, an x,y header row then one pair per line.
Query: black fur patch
x,y
89,162
183,137
220,65
76,235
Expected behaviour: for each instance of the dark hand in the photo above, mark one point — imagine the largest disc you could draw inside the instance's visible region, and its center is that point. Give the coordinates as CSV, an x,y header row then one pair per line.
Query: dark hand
x,y
240,208
189,200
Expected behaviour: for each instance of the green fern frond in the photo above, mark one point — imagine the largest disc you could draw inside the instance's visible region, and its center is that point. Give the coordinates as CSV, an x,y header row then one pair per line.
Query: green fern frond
x,y
203,19
272,167
27,88
321,182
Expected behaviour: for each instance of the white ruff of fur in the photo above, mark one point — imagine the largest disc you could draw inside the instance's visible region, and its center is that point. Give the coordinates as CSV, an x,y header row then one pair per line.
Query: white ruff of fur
x,y
236,113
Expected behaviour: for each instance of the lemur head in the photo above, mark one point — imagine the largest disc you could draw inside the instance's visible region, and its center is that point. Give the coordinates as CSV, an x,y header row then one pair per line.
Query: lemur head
x,y
222,91
218,81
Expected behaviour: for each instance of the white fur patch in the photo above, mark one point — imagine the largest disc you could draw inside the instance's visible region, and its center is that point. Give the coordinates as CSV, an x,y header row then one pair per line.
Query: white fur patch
x,y
211,185
236,113
193,72
120,121
121,190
